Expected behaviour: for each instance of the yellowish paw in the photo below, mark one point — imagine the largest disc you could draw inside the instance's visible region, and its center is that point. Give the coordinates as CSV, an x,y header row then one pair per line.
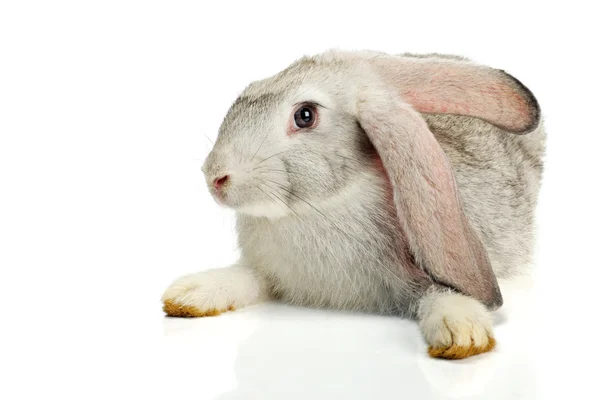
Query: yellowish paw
x,y
173,309
455,326
456,352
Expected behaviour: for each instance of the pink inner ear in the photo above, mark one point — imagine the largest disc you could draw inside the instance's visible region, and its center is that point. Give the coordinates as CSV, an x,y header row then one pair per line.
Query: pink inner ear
x,y
444,86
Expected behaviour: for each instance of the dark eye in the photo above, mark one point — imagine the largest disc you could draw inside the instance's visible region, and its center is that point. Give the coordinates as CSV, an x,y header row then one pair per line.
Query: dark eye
x,y
304,117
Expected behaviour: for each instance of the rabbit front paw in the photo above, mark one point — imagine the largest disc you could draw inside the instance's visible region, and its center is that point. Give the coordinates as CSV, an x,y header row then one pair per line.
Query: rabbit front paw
x,y
456,326
212,292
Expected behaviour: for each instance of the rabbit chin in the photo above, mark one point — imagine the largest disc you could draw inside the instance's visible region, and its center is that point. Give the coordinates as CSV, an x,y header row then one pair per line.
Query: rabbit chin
x,y
264,209
255,208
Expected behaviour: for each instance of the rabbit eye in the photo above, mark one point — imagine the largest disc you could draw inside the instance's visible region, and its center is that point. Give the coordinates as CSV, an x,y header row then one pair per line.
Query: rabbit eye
x,y
305,117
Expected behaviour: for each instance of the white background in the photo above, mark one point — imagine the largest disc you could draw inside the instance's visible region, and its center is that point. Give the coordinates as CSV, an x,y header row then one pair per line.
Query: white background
x,y
107,110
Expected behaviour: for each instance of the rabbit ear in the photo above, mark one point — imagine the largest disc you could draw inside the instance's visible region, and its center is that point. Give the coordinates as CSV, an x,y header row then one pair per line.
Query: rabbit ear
x,y
426,197
450,86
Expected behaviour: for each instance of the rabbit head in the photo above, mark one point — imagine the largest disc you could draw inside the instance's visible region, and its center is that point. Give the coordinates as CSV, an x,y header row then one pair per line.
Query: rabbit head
x,y
301,136
291,133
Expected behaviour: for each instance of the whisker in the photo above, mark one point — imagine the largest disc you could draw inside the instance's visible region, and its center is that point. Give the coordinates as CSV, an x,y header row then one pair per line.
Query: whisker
x,y
261,144
270,198
210,140
276,154
288,206
282,201
298,197
307,150
263,171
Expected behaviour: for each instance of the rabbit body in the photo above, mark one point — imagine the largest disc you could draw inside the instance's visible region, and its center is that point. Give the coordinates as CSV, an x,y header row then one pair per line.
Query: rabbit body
x,y
376,206
350,254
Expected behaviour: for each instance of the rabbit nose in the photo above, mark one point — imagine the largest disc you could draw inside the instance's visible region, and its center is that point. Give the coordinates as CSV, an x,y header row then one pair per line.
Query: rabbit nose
x,y
220,181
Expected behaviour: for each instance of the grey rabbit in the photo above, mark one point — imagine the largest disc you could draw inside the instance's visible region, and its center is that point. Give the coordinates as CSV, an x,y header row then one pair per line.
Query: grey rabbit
x,y
394,184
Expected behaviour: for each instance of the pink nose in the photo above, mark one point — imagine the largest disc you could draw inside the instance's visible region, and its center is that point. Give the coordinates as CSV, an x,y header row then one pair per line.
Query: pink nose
x,y
219,182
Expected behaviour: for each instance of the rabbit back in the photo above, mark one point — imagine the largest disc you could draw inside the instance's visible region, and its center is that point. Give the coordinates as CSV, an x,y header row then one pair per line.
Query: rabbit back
x,y
498,175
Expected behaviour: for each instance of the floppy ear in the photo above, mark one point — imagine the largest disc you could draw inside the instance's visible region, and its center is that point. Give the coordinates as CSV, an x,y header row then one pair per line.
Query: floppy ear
x,y
451,86
425,193
426,197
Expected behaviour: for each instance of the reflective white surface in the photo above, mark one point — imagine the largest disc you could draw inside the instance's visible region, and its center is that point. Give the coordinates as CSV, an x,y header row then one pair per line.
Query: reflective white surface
x,y
120,345
279,352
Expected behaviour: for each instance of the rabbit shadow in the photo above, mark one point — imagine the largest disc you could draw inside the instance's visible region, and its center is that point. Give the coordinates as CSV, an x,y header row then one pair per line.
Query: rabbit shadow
x,y
312,354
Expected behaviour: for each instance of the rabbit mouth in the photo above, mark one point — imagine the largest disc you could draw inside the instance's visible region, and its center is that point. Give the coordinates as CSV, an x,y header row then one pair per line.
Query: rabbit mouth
x,y
219,197
250,199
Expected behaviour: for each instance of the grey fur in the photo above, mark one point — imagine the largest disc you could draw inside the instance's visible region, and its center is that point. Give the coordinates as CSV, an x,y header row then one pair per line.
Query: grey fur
x,y
316,216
